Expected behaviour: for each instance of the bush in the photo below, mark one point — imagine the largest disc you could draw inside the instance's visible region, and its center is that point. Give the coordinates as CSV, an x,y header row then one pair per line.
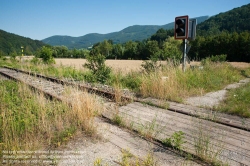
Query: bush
x,y
219,58
89,77
131,81
216,58
151,65
96,64
46,54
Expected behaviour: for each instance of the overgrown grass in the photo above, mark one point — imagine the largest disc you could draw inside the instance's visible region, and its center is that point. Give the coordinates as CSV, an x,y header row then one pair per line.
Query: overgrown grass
x,y
59,71
179,85
30,121
131,80
237,102
170,83
246,72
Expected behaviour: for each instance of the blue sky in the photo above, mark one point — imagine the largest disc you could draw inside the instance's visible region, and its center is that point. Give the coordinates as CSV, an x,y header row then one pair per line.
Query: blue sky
x,y
39,19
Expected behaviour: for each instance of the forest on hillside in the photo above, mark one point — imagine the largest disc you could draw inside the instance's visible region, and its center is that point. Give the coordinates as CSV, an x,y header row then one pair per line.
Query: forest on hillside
x,y
10,44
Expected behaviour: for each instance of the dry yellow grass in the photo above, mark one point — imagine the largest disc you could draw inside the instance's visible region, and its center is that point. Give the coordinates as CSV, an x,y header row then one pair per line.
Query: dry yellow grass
x,y
123,65
127,65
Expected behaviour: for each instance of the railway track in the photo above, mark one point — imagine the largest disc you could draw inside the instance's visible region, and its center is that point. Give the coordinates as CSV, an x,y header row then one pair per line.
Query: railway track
x,y
207,134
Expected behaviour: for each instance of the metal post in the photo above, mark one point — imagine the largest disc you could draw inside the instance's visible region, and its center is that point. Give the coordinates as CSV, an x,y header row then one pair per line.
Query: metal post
x,y
21,57
184,54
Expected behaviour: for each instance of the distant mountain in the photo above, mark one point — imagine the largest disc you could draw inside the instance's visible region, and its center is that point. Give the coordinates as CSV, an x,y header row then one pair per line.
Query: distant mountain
x,y
11,44
235,20
134,33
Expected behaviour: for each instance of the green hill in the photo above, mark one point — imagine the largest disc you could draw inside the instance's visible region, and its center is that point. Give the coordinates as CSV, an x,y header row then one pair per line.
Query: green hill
x,y
235,20
11,44
226,33
134,33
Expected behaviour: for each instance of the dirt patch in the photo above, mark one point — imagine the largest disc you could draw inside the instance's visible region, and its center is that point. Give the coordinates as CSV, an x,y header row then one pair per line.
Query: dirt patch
x,y
241,65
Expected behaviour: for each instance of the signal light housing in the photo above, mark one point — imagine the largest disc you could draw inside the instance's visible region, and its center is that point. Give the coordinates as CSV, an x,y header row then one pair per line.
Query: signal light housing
x,y
181,27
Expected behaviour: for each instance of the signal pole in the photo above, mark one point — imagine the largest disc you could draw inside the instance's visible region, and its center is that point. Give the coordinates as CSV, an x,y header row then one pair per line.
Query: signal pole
x,y
184,55
21,57
184,29
22,50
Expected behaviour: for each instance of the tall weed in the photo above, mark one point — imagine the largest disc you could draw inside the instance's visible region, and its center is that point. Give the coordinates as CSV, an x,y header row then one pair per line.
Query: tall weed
x,y
28,120
173,84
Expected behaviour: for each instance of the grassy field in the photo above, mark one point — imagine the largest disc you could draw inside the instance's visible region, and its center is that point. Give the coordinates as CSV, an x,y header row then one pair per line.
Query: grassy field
x,y
129,74
29,125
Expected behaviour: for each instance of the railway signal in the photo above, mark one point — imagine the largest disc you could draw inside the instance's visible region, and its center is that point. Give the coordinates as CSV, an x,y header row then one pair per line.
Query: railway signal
x,y
181,32
181,27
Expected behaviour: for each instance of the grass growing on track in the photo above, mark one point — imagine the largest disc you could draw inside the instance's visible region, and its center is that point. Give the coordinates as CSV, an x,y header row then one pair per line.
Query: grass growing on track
x,y
29,121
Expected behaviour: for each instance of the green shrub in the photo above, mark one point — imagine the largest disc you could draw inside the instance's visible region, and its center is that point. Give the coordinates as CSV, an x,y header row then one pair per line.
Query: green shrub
x,y
46,54
131,81
151,65
89,77
216,58
96,64
219,58
176,140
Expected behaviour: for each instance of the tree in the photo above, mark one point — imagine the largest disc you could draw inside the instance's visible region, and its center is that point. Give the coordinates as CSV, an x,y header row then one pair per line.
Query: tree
x,y
171,50
118,51
105,48
46,54
151,48
130,50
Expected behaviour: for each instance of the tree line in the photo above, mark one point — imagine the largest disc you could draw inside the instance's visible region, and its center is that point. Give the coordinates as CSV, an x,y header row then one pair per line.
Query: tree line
x,y
136,50
163,46
235,45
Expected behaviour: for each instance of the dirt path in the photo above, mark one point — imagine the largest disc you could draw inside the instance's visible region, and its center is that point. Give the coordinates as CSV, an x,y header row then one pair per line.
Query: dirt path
x,y
213,98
